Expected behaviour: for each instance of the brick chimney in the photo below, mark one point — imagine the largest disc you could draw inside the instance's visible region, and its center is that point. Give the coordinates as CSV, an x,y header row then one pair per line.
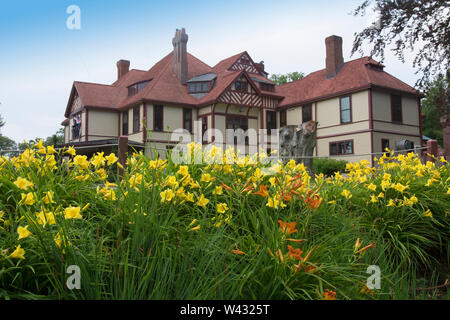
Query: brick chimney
x,y
180,65
123,66
334,60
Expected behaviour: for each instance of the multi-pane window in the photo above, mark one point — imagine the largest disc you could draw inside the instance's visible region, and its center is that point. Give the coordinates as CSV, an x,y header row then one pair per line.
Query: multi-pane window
x,y
267,87
271,121
158,118
187,119
341,147
283,121
236,122
137,87
240,85
135,119
396,108
345,109
307,113
125,122
199,87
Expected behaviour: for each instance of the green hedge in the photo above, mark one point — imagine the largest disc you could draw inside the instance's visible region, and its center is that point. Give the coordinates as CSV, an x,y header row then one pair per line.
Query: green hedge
x,y
328,166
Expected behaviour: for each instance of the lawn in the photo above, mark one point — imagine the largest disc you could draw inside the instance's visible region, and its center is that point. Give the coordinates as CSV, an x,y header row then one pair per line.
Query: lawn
x,y
240,230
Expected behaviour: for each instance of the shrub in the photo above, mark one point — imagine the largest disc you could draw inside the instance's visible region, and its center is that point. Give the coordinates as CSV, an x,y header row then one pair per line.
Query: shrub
x,y
328,166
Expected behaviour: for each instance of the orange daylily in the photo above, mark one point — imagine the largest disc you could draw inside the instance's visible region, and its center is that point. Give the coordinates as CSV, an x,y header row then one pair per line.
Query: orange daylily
x,y
295,253
226,187
237,251
313,202
281,255
262,191
287,227
295,240
329,295
366,247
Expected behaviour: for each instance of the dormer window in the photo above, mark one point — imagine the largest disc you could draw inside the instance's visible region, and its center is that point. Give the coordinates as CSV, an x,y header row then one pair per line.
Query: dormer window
x,y
240,85
202,83
137,87
266,87
199,87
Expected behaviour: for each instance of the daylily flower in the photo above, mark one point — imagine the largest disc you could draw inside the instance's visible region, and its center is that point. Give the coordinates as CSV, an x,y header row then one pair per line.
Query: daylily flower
x,y
346,193
202,201
19,253
111,159
72,213
167,195
28,198
23,184
237,251
288,227
222,207
329,295
71,151
23,232
262,191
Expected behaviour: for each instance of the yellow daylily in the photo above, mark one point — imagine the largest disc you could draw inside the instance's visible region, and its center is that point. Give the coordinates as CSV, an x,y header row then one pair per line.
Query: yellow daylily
x,y
23,232
19,253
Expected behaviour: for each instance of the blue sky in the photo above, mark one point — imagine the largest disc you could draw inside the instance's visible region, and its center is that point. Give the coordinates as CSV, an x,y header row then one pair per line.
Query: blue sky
x,y
40,57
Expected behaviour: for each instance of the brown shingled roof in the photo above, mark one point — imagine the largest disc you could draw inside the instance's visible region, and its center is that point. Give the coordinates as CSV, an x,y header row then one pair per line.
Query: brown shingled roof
x,y
353,75
164,86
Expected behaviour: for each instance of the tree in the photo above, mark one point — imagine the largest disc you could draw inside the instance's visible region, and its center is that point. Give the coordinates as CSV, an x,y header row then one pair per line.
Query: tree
x,y
285,78
5,142
55,139
435,105
418,25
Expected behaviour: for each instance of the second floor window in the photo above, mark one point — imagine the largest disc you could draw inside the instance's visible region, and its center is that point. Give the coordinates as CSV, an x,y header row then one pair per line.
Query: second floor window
x,y
187,119
345,109
125,122
240,86
307,113
396,108
158,118
135,119
198,87
271,121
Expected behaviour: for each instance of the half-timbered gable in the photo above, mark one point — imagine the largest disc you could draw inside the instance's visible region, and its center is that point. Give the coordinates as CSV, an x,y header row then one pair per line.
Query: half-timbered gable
x,y
245,62
243,91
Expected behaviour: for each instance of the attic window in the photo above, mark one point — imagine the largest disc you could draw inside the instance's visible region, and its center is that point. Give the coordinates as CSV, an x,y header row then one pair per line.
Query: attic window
x,y
266,87
137,87
200,87
240,86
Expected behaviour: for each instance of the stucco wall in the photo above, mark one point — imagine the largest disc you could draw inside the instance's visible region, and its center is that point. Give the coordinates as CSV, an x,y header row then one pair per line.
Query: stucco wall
x,y
393,138
382,107
102,124
361,145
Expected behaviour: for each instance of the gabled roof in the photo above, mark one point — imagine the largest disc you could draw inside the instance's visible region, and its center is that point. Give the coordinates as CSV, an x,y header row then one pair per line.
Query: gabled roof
x,y
353,75
164,86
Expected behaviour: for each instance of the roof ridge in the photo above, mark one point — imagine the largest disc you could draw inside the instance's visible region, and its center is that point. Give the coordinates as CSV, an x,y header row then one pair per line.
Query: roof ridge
x,y
94,83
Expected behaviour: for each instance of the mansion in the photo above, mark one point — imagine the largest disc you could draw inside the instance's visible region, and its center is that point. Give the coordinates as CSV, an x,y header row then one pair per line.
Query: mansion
x,y
360,108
